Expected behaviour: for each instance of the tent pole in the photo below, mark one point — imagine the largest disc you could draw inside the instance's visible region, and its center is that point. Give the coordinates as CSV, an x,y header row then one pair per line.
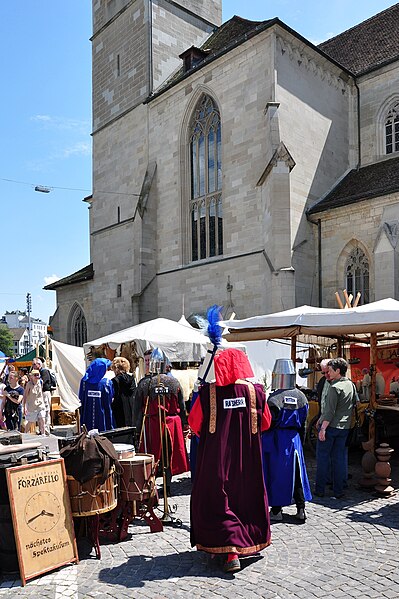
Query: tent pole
x,y
373,402
293,348
46,351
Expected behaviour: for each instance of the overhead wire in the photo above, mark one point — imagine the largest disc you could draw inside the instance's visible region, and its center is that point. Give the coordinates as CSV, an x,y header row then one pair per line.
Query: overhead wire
x,y
51,187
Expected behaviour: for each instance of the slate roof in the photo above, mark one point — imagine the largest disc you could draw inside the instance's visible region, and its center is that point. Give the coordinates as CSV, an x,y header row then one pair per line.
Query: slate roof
x,y
368,45
84,274
17,332
232,33
362,48
368,182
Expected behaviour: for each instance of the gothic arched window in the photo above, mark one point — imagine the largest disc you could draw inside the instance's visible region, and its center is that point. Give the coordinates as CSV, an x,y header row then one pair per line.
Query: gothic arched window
x,y
78,333
392,130
357,275
206,217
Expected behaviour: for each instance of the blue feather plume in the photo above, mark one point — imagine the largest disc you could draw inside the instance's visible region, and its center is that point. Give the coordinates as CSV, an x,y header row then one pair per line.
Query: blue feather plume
x,y
214,330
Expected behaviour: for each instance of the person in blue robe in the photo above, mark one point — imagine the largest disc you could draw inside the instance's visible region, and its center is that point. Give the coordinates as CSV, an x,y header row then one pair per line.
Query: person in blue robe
x,y
95,394
284,465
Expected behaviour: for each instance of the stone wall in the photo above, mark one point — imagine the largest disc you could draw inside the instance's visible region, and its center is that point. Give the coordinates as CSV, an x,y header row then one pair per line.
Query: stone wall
x,y
167,20
377,93
359,224
316,123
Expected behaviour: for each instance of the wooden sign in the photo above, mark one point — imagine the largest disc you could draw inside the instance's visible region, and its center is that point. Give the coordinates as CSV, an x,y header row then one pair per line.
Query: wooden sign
x,y
42,519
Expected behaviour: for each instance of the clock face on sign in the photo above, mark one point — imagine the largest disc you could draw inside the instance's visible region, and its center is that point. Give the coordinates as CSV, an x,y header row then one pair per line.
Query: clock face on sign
x,y
42,511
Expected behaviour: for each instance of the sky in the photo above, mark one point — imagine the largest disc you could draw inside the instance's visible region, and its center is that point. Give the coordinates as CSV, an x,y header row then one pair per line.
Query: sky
x,y
46,126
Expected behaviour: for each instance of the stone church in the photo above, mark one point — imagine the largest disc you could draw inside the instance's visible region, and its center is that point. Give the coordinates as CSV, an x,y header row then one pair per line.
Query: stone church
x,y
234,163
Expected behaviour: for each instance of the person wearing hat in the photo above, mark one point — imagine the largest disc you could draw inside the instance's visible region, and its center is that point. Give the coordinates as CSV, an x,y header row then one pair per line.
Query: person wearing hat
x,y
34,405
96,393
284,465
229,509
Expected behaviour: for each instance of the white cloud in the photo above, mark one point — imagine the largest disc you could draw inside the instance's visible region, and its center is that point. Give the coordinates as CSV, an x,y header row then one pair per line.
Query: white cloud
x,y
61,123
41,117
51,279
81,148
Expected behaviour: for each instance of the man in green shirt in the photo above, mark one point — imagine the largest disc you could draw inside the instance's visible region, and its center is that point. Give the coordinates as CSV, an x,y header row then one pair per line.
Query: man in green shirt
x,y
335,422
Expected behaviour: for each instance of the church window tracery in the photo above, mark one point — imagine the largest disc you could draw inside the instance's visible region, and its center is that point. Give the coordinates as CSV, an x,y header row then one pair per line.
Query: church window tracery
x,y
357,275
78,327
206,181
392,130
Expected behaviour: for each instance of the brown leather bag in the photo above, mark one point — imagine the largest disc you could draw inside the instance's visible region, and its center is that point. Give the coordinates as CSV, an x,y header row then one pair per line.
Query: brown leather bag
x,y
86,457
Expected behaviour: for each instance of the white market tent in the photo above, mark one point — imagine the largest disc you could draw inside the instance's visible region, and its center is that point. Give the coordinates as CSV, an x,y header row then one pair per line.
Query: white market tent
x,y
380,316
69,365
362,322
178,342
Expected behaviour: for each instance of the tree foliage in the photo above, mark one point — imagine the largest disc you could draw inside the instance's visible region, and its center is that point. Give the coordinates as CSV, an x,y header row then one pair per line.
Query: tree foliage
x,y
6,340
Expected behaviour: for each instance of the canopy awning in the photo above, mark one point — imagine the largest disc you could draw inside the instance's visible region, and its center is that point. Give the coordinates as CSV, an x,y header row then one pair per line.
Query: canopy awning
x,y
378,317
178,342
26,360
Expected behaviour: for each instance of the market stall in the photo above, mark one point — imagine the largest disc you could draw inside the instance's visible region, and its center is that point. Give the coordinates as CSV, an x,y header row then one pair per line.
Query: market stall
x,y
178,342
363,325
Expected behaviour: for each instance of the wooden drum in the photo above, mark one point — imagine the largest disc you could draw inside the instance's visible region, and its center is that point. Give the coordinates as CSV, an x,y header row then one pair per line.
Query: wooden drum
x,y
91,497
124,451
138,477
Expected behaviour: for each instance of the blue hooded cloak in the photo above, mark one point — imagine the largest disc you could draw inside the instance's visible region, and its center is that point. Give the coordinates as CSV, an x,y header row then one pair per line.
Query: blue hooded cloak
x,y
282,447
95,394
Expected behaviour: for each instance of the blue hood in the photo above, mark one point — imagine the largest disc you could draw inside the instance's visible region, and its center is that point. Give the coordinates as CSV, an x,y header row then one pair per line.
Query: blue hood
x,y
96,370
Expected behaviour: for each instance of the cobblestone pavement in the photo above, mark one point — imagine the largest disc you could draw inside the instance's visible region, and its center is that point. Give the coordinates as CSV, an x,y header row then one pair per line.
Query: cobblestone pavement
x,y
347,548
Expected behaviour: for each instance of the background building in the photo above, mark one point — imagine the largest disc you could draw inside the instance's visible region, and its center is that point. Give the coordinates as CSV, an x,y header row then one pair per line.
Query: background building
x,y
18,323
236,164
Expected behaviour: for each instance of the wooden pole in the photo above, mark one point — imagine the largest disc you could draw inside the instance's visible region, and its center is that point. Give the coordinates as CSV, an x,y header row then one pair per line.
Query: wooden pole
x,y
339,301
346,296
357,299
373,402
339,346
293,348
46,351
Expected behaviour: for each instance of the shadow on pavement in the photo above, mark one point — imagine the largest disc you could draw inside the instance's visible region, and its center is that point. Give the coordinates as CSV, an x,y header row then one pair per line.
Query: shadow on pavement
x,y
141,568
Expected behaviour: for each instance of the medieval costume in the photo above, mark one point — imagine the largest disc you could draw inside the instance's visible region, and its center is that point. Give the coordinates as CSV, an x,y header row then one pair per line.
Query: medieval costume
x,y
124,393
169,407
229,508
96,393
284,466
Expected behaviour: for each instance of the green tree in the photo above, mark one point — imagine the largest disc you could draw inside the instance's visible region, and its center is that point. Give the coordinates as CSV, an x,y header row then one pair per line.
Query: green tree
x,y
6,340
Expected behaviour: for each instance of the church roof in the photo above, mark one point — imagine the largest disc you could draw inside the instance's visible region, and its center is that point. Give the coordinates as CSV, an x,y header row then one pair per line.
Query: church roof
x,y
84,274
369,45
230,34
364,47
235,30
372,181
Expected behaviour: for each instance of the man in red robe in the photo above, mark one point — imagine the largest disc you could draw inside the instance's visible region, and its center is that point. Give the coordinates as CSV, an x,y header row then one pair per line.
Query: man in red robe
x,y
229,508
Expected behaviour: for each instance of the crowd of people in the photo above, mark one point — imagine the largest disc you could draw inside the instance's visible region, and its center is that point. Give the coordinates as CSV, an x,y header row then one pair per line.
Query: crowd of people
x,y
25,397
247,456
249,462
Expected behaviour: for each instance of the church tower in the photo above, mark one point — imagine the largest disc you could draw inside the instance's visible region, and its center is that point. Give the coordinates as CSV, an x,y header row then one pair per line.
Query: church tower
x,y
136,46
